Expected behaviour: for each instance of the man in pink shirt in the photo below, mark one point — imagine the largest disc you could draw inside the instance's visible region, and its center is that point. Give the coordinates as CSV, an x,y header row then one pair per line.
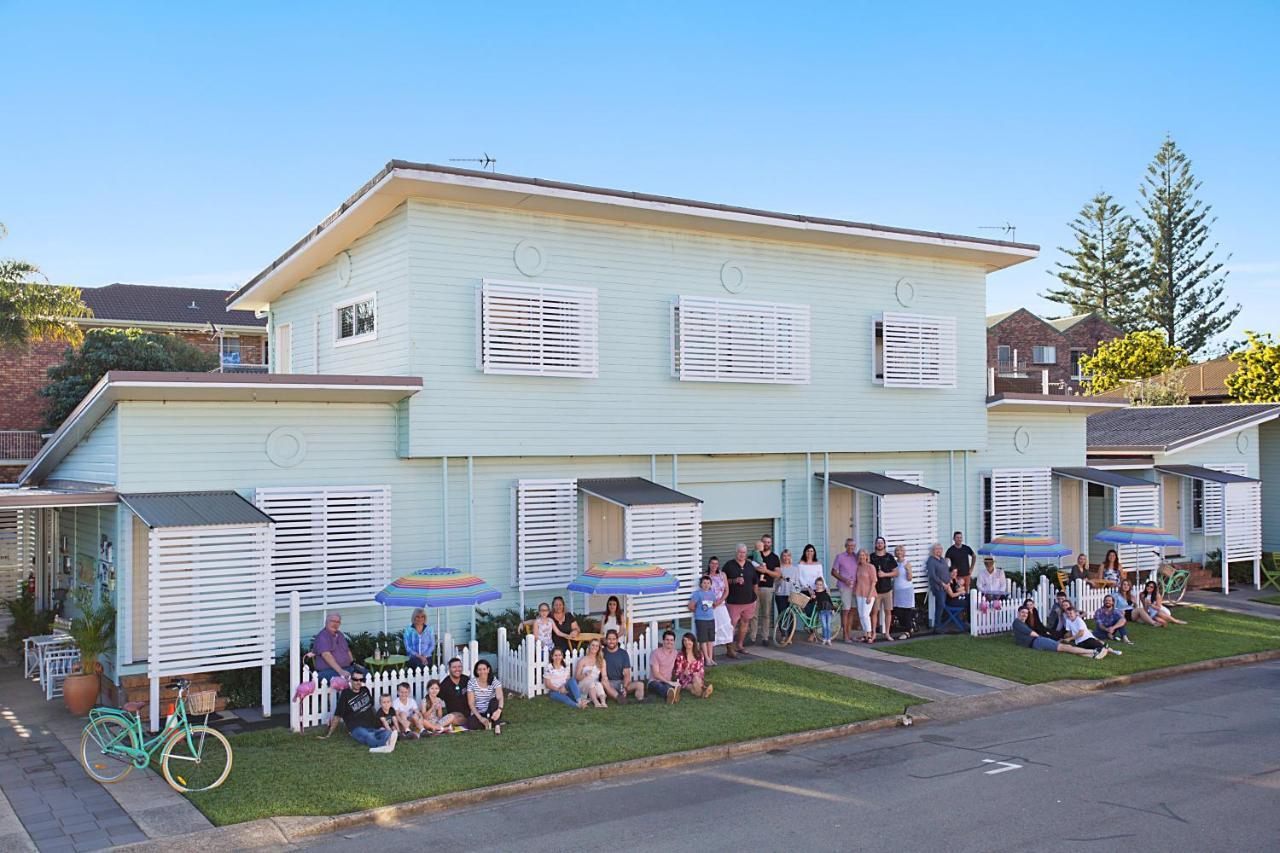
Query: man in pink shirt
x,y
845,571
662,665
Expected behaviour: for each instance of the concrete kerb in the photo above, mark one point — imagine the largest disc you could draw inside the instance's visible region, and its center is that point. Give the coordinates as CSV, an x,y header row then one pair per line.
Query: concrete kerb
x,y
277,831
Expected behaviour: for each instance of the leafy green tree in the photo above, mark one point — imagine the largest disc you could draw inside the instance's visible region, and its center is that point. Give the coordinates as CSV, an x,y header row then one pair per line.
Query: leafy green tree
x,y
1170,391
1103,274
115,349
32,310
1184,283
1137,355
1256,378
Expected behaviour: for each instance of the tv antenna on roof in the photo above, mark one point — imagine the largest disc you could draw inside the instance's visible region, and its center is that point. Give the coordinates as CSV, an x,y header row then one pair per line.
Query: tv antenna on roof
x,y
1010,230
486,162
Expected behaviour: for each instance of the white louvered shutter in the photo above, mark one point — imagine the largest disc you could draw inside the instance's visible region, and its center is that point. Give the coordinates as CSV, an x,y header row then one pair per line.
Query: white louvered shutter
x,y
918,351
546,533
912,522
671,536
1021,501
332,545
736,340
11,563
1212,512
1138,505
538,329
1243,502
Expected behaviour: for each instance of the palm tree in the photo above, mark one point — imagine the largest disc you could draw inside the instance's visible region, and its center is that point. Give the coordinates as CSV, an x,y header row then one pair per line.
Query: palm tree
x,y
31,310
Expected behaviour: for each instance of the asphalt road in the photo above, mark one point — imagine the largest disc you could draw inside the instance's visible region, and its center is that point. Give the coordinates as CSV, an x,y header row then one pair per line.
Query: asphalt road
x,y
1184,764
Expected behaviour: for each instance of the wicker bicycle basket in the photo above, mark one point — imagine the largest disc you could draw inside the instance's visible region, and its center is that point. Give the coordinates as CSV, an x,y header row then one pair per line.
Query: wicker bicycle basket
x,y
201,702
799,599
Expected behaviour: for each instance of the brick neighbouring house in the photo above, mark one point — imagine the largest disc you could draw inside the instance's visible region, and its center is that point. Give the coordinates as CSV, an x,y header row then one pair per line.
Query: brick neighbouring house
x,y
1021,347
183,311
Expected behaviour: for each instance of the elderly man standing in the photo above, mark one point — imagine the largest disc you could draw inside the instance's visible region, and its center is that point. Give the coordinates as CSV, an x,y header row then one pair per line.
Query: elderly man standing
x,y
845,570
333,656
939,576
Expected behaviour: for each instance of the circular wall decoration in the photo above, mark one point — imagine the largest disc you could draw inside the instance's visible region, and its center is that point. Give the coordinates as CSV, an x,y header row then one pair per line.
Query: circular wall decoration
x,y
1021,439
1242,442
286,447
732,278
905,291
529,257
344,268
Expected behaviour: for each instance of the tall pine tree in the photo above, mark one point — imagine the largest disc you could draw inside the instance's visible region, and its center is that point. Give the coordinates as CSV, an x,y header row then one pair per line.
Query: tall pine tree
x,y
1184,283
1104,274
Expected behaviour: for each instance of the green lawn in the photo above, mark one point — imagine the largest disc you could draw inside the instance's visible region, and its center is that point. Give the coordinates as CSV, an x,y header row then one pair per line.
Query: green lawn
x,y
1268,599
280,773
1211,634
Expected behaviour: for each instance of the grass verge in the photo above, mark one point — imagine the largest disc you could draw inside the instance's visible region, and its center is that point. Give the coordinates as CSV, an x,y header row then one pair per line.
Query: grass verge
x,y
279,773
1268,599
1211,634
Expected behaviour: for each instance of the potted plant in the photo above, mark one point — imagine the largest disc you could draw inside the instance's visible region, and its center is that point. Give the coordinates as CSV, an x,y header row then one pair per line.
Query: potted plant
x,y
93,632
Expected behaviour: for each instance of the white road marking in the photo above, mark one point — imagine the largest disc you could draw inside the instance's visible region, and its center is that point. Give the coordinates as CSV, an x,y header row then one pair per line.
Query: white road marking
x,y
1005,766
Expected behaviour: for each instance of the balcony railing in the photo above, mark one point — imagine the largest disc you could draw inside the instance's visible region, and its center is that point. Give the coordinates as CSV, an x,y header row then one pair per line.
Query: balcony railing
x,y
241,368
19,446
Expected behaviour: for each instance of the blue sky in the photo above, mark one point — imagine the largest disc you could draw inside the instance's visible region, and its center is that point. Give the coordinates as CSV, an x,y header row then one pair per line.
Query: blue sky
x,y
152,143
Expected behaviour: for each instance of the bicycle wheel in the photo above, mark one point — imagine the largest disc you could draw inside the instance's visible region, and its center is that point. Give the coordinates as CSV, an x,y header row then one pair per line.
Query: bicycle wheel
x,y
1176,587
785,628
98,754
196,760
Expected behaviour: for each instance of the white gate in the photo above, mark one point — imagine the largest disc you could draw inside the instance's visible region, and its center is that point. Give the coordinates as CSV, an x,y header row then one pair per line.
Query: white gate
x,y
1138,505
671,536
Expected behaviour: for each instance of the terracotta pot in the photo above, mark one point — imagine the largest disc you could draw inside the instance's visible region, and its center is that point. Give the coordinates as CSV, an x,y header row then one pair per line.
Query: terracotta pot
x,y
80,692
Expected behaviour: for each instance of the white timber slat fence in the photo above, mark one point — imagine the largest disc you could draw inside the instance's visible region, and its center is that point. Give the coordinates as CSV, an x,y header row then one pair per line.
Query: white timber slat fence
x,y
1021,501
1213,494
912,522
739,340
332,544
1242,526
1138,505
914,350
522,667
209,604
11,562
671,536
538,329
546,528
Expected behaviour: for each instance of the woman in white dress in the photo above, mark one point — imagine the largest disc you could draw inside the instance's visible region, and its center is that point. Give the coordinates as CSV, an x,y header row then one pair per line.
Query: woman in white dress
x,y
720,586
588,671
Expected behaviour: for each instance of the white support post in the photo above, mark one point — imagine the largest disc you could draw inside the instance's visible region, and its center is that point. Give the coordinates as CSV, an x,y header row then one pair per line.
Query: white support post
x,y
295,665
1226,586
1044,382
154,722
991,381
266,689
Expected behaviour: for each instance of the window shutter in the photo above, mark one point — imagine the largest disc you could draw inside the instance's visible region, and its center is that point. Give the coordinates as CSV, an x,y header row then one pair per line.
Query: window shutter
x,y
912,522
1213,496
919,351
332,545
1243,506
734,340
546,533
538,329
1138,505
1021,501
671,536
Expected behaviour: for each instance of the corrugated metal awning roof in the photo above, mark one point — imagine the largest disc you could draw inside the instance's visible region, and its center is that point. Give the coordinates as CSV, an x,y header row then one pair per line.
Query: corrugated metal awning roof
x,y
634,491
1102,478
876,484
1197,472
26,498
194,509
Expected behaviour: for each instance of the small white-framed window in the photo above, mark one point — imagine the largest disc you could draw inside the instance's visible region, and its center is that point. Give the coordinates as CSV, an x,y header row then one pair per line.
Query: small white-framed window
x,y
1076,355
913,351
355,320
1044,355
738,340
529,329
230,347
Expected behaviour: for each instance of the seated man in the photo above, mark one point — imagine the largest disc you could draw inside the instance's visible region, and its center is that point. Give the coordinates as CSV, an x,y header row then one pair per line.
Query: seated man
x,y
333,656
992,583
617,666
1077,632
1054,622
1109,622
356,710
662,665
1023,635
453,692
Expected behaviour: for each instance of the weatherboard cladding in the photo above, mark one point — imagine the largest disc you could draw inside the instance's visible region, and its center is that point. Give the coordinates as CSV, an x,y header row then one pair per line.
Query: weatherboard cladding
x,y
1161,426
194,509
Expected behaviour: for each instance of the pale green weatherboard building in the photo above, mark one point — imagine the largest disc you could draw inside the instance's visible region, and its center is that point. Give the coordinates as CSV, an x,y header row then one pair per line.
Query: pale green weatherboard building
x,y
519,378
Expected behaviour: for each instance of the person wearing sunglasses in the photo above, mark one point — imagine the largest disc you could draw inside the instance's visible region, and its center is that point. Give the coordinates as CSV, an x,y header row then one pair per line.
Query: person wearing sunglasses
x,y
356,710
1077,632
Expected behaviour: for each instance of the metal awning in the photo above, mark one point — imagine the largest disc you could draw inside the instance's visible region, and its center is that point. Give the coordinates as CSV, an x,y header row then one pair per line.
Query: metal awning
x,y
194,509
871,483
1102,478
634,491
1196,472
24,498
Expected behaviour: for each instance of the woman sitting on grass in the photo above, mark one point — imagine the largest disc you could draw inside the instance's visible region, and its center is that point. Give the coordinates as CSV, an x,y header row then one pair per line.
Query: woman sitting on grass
x,y
560,685
689,669
1153,605
1033,617
485,698
588,671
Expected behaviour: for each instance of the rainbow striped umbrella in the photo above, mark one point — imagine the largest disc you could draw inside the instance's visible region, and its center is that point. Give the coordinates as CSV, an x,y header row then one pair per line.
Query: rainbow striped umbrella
x,y
1139,534
437,587
1024,546
625,577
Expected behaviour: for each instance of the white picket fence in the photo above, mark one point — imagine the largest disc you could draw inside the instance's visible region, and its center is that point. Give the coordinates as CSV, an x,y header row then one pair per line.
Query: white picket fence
x,y
1087,599
521,667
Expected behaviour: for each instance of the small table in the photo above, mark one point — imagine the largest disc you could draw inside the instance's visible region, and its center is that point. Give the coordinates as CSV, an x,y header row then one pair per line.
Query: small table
x,y
33,649
388,662
583,638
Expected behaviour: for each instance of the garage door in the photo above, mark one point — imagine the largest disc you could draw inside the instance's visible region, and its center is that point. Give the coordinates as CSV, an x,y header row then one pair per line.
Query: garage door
x,y
720,538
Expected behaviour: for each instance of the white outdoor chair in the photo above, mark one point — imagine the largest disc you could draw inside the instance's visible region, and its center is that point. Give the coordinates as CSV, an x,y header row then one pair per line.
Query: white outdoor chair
x,y
57,664
34,648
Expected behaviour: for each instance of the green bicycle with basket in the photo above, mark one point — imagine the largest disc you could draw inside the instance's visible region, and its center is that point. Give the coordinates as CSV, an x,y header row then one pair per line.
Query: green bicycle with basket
x,y
192,757
801,611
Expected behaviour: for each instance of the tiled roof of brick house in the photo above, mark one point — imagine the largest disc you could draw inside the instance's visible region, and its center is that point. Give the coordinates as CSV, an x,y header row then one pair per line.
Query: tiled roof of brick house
x,y
147,303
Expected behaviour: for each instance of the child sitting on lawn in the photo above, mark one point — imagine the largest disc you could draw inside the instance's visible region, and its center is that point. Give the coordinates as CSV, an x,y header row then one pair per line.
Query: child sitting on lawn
x,y
386,714
407,717
432,711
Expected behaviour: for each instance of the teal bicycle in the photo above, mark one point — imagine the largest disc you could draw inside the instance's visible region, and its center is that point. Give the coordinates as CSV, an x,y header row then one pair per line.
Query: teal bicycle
x,y
798,613
192,757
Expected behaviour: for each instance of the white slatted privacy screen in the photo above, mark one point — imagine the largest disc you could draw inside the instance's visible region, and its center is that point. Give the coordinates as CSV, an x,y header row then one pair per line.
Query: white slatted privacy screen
x,y
671,536
1138,505
1213,496
1244,522
209,599
916,351
14,558
736,340
332,545
538,329
912,522
546,533
1022,501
